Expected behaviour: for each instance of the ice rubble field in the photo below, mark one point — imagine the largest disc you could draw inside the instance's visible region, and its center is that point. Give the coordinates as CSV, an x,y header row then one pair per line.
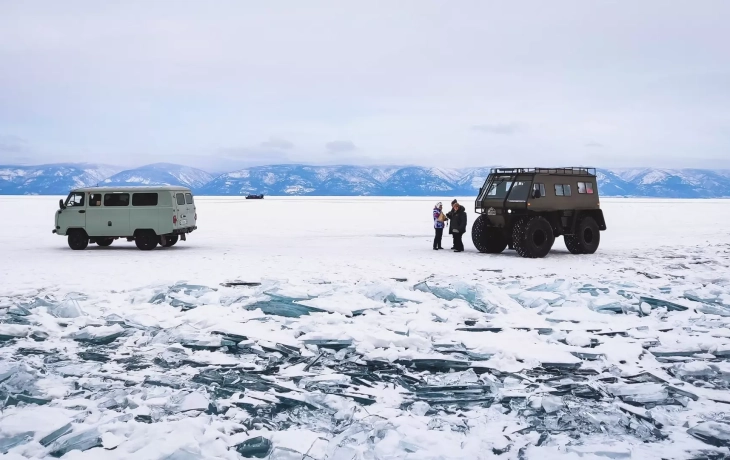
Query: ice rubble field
x,y
352,339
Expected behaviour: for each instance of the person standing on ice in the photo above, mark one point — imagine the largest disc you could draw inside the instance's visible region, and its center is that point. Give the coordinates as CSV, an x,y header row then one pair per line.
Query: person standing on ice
x,y
438,225
457,224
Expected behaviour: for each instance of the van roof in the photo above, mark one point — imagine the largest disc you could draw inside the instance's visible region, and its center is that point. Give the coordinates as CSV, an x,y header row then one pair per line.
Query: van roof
x,y
133,188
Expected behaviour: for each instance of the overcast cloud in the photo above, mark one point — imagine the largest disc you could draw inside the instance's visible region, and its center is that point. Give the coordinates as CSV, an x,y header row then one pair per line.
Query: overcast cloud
x,y
407,82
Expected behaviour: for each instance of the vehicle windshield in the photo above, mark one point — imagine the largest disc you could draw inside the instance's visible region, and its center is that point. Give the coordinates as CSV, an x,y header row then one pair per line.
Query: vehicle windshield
x,y
520,190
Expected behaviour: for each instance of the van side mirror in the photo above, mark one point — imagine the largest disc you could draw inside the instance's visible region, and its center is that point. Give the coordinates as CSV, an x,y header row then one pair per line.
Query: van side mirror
x,y
61,205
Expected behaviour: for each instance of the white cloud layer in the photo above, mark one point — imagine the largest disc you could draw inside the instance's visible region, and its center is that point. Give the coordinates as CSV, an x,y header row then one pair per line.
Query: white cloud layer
x,y
421,82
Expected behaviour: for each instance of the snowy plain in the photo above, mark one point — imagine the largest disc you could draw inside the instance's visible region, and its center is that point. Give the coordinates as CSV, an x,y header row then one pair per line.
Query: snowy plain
x,y
355,339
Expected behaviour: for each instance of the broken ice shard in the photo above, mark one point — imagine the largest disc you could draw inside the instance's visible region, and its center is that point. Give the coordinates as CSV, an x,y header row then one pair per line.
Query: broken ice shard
x,y
332,344
658,303
283,306
83,441
434,365
101,335
17,310
258,447
11,331
54,435
713,433
69,308
241,283
441,293
13,441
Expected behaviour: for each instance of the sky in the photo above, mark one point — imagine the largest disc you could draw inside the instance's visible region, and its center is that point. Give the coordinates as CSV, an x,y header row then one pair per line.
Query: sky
x,y
227,84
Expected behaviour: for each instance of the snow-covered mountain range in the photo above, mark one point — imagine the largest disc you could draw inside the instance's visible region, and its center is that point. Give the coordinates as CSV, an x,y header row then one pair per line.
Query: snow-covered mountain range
x,y
58,179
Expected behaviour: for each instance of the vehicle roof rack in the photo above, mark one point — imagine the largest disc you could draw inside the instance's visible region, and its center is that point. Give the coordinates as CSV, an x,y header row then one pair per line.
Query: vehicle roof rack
x,y
569,171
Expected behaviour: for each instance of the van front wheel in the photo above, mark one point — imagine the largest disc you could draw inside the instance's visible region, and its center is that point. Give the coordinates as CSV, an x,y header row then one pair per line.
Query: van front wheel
x,y
77,240
146,241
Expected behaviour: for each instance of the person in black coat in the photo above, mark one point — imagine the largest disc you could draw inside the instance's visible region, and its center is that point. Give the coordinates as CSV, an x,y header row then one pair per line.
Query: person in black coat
x,y
457,224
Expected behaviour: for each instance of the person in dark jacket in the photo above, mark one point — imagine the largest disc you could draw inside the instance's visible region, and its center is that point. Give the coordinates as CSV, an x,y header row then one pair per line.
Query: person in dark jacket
x,y
438,225
457,224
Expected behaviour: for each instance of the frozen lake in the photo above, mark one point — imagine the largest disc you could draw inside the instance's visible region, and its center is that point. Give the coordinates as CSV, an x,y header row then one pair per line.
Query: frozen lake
x,y
355,340
336,238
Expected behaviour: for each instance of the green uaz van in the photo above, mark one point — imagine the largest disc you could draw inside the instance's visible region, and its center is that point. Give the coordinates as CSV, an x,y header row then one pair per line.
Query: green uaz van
x,y
146,215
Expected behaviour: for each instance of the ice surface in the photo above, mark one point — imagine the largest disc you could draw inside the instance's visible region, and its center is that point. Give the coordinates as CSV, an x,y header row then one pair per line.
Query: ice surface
x,y
329,358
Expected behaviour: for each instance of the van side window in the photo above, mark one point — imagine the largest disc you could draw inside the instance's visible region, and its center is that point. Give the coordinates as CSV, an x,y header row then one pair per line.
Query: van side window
x,y
189,198
116,199
581,187
180,198
95,199
589,188
75,199
562,190
144,199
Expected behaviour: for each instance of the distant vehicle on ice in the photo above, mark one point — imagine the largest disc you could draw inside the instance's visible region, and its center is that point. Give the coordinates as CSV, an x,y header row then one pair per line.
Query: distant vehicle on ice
x,y
526,208
255,197
146,215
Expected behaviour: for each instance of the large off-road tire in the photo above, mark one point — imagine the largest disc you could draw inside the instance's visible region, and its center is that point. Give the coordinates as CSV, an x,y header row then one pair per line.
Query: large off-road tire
x,y
533,237
104,242
146,241
170,241
77,239
490,240
586,239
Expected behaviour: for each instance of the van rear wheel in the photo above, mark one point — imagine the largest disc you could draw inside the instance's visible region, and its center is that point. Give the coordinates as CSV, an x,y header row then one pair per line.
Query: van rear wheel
x,y
170,241
146,241
77,239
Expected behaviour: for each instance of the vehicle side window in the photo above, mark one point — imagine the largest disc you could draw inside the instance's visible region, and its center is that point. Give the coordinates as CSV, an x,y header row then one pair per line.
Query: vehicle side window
x,y
116,199
589,188
562,190
538,188
75,199
581,187
144,199
95,199
180,198
189,198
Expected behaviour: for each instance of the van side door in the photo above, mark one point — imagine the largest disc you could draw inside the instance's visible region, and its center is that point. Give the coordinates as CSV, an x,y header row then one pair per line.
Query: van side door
x,y
112,219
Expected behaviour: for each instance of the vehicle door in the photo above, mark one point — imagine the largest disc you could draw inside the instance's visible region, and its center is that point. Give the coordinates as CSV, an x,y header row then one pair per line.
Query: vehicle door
x,y
74,213
185,210
94,215
114,215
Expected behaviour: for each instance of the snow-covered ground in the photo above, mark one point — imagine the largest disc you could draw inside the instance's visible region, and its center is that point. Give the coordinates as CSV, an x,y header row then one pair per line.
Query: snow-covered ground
x,y
356,340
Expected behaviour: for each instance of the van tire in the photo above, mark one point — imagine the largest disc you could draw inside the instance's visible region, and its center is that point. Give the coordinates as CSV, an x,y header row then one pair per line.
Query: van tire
x,y
104,242
533,237
170,241
77,239
146,241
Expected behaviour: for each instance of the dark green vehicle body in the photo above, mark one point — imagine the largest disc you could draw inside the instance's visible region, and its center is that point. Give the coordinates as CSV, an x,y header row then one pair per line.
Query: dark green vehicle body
x,y
526,208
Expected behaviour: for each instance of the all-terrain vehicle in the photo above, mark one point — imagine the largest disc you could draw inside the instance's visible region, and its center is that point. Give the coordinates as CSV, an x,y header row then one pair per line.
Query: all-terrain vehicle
x,y
526,208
